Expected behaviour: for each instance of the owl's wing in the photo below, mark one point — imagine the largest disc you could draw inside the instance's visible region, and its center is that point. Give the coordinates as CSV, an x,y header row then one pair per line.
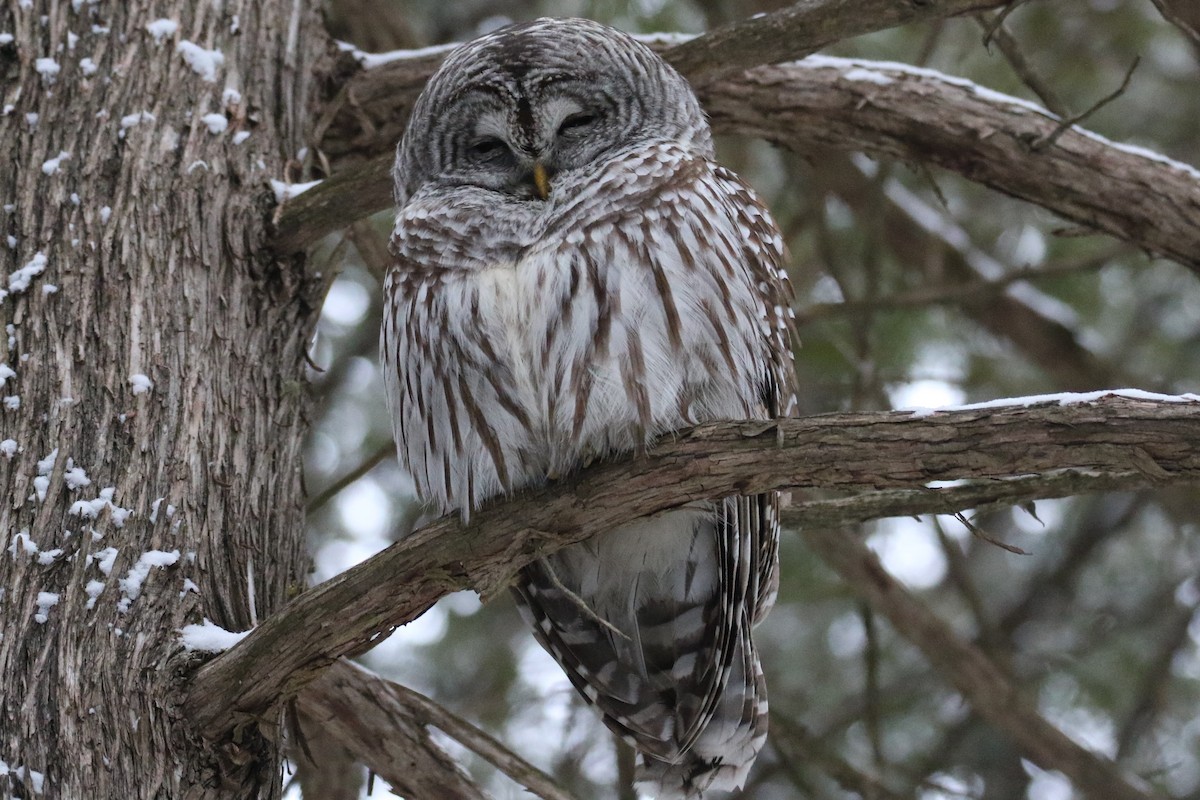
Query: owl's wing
x,y
655,667
679,595
765,256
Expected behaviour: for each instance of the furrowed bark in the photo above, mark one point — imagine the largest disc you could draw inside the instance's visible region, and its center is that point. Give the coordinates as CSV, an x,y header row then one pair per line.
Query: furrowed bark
x,y
159,359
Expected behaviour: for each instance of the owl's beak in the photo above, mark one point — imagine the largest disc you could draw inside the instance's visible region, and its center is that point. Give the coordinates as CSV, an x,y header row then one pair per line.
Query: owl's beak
x,y
541,180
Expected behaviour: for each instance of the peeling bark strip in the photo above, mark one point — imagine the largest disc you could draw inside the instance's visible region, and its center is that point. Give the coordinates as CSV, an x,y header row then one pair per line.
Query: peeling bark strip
x,y
1116,441
154,470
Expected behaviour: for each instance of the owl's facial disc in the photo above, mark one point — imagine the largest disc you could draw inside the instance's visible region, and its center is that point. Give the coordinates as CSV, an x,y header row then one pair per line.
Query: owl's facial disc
x,y
528,110
521,139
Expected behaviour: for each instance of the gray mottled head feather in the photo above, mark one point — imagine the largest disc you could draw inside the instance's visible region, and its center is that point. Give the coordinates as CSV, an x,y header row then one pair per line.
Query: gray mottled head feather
x,y
567,93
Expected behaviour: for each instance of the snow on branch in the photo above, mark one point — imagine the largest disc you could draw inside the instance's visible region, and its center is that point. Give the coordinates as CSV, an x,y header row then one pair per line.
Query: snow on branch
x,y
1079,442
886,110
896,111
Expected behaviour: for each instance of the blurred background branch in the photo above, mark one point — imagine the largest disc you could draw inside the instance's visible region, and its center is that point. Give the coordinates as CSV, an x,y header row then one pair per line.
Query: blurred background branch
x,y
920,280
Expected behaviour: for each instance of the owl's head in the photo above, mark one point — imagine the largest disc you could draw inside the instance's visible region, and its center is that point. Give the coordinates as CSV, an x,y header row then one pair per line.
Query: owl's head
x,y
516,109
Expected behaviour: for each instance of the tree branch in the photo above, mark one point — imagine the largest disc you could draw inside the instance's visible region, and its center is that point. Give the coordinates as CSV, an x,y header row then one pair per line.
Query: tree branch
x,y
1184,15
898,112
383,724
528,776
801,29
371,720
980,681
885,110
1115,440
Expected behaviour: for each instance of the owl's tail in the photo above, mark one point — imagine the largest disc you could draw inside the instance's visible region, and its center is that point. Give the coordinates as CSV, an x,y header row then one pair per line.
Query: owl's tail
x,y
721,758
651,622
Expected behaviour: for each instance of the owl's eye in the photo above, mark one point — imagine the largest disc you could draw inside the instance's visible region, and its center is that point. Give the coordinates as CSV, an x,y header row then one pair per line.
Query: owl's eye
x,y
577,122
487,148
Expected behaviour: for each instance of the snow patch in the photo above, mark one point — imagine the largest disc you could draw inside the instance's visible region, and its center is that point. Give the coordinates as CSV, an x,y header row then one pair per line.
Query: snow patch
x,y
46,465
867,75
204,63
1062,399
19,281
91,509
50,166
21,541
162,28
372,60
76,478
216,123
131,584
286,191
6,372
140,384
48,557
208,637
93,590
33,778
8,447
241,136
170,511
48,68
104,559
45,602
130,120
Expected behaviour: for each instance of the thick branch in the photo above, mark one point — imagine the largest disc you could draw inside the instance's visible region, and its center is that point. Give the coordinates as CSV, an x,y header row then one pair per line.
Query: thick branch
x,y
1118,441
370,112
528,776
362,712
893,111
979,680
802,29
384,726
887,111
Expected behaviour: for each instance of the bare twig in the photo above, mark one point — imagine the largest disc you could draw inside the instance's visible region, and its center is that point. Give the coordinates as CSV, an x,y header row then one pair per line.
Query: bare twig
x,y
1184,15
900,113
1070,122
955,292
797,743
1150,696
1147,442
914,226
799,30
996,32
990,693
368,464
482,744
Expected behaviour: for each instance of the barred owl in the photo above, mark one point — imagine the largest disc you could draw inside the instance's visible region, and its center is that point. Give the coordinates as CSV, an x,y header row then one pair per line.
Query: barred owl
x,y
573,277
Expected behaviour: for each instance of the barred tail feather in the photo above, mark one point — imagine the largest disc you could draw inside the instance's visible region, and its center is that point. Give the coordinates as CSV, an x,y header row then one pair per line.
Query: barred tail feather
x,y
721,758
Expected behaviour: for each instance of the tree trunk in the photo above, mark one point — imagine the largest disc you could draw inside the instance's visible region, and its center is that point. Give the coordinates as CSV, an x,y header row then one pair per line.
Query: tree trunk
x,y
153,380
